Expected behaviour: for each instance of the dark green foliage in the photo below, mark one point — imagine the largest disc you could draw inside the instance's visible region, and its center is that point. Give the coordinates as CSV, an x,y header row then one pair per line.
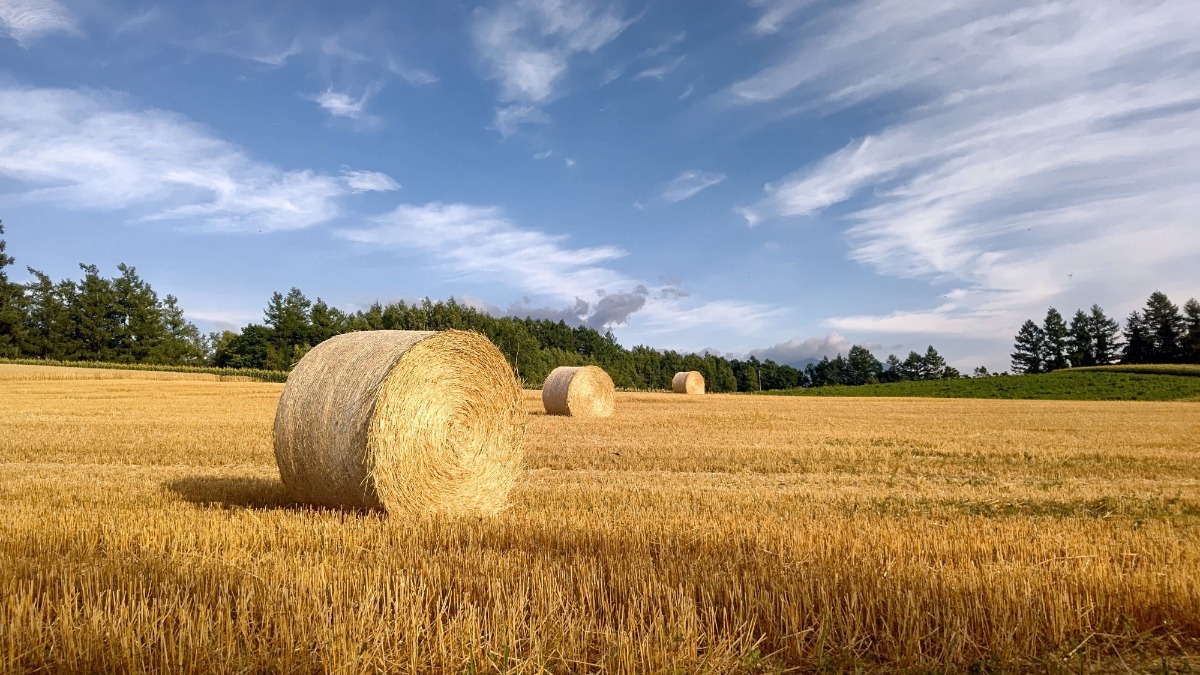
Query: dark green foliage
x,y
1055,346
1191,338
1106,336
1164,328
119,320
1028,349
862,366
11,324
1071,384
1138,346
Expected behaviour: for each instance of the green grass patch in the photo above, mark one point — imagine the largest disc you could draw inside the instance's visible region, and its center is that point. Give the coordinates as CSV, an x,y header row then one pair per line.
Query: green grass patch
x,y
1065,385
261,375
1182,369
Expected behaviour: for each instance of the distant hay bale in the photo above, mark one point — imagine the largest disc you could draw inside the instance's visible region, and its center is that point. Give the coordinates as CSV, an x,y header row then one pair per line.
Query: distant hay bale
x,y
688,382
579,392
407,421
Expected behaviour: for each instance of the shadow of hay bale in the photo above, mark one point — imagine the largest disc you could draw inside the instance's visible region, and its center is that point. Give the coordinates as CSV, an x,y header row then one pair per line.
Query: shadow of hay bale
x,y
234,492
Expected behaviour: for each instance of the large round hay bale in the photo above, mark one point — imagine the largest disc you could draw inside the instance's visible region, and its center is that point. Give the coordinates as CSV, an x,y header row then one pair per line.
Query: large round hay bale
x,y
688,382
412,422
579,392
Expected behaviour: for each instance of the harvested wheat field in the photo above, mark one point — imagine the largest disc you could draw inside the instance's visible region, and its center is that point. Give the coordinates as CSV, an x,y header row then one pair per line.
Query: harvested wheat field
x,y
145,529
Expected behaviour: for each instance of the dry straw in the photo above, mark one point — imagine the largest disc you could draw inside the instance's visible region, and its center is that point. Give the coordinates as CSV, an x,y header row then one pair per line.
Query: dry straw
x,y
413,422
579,392
688,382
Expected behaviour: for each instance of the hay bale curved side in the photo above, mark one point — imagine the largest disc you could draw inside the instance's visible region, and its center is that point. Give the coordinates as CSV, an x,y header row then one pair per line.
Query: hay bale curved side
x,y
688,382
407,421
585,391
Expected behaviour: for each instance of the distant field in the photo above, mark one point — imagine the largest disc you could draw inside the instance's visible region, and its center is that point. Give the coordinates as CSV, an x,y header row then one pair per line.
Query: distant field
x,y
1116,383
126,368
145,529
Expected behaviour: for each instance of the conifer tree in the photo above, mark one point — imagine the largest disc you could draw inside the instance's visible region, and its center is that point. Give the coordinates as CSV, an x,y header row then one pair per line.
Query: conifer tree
x,y
1191,339
1164,328
1106,337
1028,348
1054,347
1081,342
1138,346
933,366
11,296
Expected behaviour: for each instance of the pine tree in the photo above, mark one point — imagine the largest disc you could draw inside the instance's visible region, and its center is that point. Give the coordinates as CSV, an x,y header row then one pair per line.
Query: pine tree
x,y
139,324
912,368
1191,340
862,366
1081,343
1055,348
892,369
1164,328
11,296
1106,337
933,366
182,342
1028,348
49,328
1138,346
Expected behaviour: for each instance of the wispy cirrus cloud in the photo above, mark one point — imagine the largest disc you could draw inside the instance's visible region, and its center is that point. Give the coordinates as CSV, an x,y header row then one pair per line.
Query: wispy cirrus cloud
x,y
776,13
660,71
95,150
27,21
528,45
689,184
343,104
1045,152
369,181
481,242
578,284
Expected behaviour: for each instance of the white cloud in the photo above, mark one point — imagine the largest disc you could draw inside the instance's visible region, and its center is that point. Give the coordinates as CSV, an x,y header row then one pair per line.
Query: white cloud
x,y
509,118
341,104
660,71
240,36
528,45
545,154
28,20
796,350
88,150
481,242
689,184
369,181
1046,153
776,13
411,75
664,46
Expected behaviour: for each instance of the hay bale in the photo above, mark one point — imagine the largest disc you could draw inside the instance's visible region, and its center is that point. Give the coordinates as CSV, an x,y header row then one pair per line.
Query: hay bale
x,y
579,392
688,382
407,421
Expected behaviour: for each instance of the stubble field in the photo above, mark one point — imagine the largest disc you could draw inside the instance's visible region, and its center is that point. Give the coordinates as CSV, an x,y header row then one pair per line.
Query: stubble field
x,y
143,528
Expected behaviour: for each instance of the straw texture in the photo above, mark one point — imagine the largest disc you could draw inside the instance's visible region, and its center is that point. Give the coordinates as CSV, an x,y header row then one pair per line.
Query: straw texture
x,y
688,382
585,391
407,421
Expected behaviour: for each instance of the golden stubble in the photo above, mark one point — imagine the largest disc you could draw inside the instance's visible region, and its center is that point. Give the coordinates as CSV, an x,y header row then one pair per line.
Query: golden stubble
x,y
145,529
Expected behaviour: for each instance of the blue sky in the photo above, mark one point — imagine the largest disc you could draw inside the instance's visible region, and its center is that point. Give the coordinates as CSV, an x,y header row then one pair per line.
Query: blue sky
x,y
782,177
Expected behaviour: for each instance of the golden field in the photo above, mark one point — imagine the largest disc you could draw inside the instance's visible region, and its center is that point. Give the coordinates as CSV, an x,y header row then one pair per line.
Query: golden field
x,y
144,529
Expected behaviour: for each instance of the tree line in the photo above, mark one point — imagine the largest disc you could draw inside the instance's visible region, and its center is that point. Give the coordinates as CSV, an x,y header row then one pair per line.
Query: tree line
x,y
123,320
1158,334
